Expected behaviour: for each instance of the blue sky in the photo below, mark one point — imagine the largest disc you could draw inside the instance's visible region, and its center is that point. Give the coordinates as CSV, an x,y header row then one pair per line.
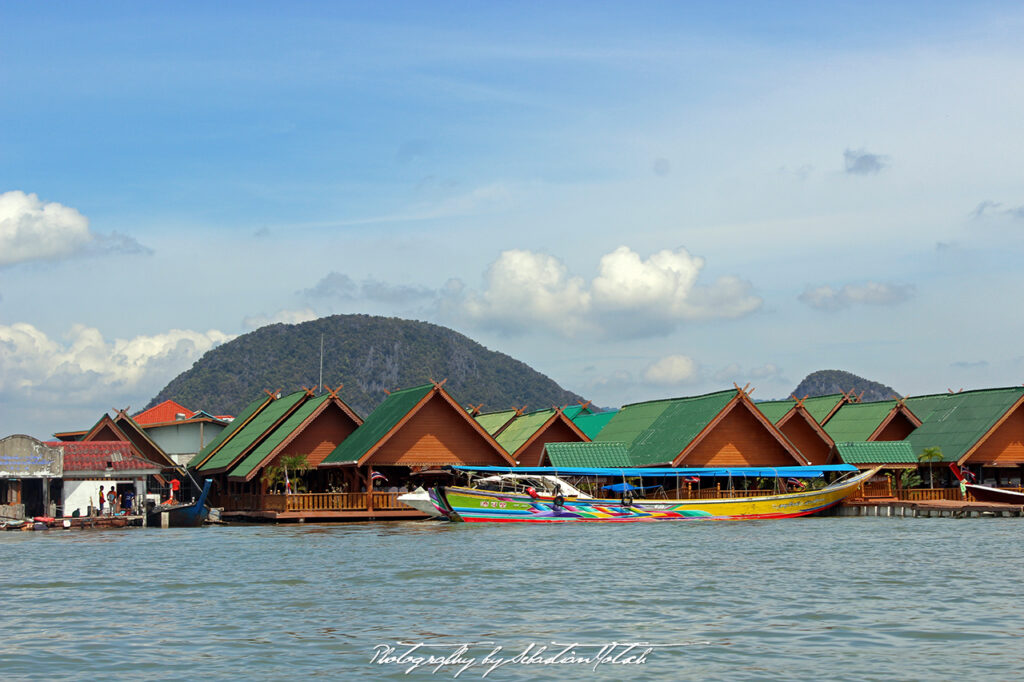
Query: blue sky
x,y
638,201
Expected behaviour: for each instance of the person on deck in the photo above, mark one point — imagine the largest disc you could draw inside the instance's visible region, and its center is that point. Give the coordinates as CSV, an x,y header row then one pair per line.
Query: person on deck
x,y
129,500
175,487
111,500
103,499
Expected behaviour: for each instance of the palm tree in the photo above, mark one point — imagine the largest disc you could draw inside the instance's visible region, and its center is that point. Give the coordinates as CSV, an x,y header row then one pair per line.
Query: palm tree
x,y
930,455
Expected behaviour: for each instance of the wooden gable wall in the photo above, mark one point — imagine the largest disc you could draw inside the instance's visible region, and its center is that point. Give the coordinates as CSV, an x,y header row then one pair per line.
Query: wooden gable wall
x,y
806,439
319,438
739,439
898,428
557,432
1004,444
437,435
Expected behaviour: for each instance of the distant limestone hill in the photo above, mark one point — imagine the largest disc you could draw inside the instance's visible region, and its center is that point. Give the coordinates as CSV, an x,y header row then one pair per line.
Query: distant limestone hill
x,y
831,381
369,355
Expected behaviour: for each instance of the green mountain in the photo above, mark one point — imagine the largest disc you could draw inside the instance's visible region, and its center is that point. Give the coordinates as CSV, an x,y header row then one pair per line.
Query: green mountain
x,y
369,355
832,381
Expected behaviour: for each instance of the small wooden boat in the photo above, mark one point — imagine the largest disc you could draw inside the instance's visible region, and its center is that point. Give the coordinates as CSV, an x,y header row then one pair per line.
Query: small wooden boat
x,y
468,504
984,493
181,515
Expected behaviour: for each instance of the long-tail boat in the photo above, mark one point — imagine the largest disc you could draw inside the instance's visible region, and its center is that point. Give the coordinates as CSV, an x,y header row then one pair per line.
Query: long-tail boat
x,y
790,496
185,515
984,493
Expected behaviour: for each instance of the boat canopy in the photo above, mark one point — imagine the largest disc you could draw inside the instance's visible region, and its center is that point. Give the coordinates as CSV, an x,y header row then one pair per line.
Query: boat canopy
x,y
626,472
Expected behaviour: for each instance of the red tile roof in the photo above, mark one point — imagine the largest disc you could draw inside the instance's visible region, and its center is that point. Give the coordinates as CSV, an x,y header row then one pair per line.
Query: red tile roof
x,y
99,455
167,411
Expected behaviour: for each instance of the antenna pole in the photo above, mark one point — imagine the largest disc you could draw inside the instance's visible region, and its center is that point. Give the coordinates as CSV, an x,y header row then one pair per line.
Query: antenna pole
x,y
321,382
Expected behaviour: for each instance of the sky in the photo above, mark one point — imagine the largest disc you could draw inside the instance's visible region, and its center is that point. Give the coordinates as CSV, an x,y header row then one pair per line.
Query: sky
x,y
639,200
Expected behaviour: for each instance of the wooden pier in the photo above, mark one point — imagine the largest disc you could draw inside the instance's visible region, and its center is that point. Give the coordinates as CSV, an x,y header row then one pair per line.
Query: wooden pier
x,y
956,509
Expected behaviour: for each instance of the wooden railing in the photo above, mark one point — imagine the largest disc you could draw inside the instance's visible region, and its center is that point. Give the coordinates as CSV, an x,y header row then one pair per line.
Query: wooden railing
x,y
926,494
716,494
876,489
308,502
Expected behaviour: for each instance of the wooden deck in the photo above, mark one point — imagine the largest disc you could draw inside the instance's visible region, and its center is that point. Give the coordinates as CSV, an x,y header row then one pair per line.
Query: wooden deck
x,y
957,509
317,507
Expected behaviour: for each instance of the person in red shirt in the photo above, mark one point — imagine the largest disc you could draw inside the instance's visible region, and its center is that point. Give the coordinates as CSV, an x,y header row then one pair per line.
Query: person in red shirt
x,y
175,487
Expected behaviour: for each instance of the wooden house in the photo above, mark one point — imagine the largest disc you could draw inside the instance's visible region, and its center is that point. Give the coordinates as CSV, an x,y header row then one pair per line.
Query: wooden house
x,y
718,429
884,420
797,424
525,436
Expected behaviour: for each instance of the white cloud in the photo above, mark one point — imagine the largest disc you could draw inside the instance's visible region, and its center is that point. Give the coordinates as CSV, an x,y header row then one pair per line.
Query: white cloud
x,y
671,370
523,289
31,229
281,316
860,162
630,297
84,368
826,297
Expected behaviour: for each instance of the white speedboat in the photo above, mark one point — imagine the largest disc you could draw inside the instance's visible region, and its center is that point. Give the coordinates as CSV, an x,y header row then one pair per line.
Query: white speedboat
x,y
543,484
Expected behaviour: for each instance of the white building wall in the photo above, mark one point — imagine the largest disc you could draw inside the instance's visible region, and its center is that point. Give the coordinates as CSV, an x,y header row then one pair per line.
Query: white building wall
x,y
78,492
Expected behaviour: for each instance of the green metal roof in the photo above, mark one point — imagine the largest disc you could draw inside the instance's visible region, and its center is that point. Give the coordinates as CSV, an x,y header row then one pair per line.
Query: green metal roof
x,y
253,431
574,411
857,421
876,452
259,453
377,425
235,424
955,422
591,424
595,454
657,431
775,410
819,407
522,429
492,421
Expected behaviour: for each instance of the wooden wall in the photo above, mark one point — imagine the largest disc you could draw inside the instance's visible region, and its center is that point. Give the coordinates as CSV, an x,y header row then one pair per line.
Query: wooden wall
x,y
806,439
739,439
557,432
1006,444
322,435
897,429
436,435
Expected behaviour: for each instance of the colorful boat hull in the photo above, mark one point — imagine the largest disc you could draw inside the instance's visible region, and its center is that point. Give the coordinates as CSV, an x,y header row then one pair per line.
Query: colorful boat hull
x,y
470,505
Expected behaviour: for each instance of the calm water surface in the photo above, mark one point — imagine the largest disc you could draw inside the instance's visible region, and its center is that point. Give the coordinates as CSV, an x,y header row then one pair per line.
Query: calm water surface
x,y
824,598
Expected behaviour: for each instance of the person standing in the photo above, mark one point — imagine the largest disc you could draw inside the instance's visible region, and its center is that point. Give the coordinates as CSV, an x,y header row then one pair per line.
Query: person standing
x,y
102,500
129,500
111,500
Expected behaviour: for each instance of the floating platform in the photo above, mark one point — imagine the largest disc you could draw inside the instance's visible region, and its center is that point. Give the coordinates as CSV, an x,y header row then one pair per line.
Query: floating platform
x,y
325,516
932,508
81,523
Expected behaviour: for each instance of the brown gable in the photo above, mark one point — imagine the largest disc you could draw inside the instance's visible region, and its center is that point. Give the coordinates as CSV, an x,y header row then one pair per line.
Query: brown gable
x,y
806,435
1004,444
437,432
558,429
900,423
106,429
739,436
316,437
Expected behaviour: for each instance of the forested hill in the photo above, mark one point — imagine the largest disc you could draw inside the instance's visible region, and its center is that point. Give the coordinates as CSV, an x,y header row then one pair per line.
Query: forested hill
x,y
368,355
831,381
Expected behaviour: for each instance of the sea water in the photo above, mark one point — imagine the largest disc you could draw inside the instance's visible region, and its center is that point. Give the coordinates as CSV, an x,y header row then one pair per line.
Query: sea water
x,y
816,598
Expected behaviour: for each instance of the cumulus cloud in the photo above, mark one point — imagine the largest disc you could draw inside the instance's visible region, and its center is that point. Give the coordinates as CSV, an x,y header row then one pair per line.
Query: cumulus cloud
x,y
84,368
280,317
671,370
630,296
31,229
828,298
860,162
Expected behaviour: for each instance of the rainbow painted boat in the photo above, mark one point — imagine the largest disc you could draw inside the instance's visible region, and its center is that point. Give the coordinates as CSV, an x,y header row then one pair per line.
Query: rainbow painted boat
x,y
792,496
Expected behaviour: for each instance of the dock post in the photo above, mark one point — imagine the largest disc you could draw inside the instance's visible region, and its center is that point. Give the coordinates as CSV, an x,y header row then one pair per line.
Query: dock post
x,y
165,520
